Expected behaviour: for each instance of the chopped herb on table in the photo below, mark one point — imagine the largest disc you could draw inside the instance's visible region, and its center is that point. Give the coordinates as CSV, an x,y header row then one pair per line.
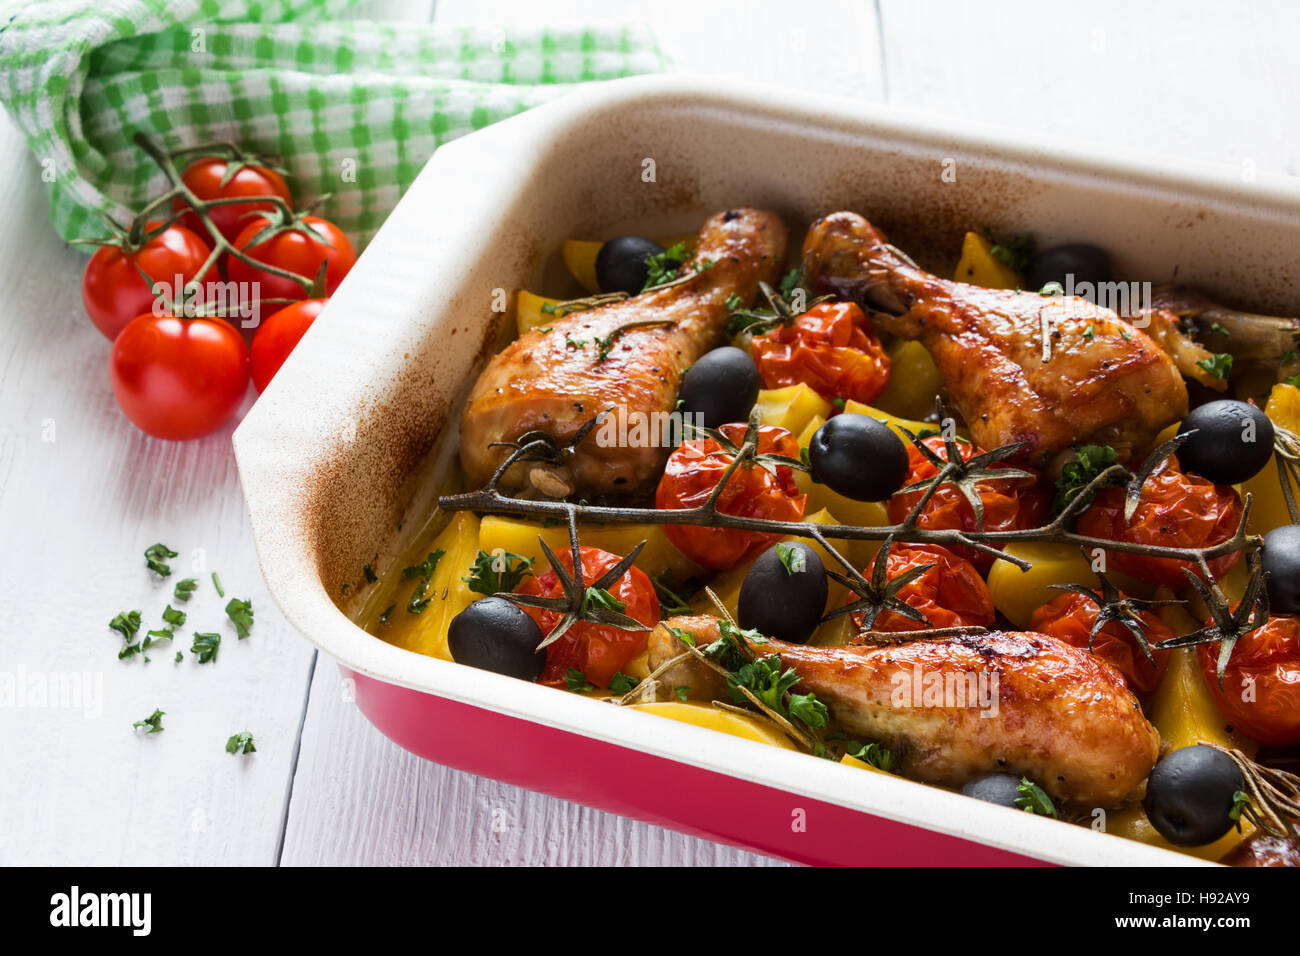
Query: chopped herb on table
x,y
155,557
241,743
206,646
241,615
151,724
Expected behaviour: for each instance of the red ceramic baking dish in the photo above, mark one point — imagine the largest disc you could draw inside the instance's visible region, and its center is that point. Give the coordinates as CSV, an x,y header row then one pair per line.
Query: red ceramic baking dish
x,y
342,456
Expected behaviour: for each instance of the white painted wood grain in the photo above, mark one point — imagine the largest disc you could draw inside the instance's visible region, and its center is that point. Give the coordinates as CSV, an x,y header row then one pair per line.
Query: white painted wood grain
x,y
76,783
1210,80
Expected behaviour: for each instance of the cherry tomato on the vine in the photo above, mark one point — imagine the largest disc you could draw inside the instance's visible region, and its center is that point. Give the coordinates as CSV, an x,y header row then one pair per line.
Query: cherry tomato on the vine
x,y
1175,510
112,288
1070,617
950,594
754,490
1261,685
598,651
296,252
206,178
277,336
1008,503
179,378
831,348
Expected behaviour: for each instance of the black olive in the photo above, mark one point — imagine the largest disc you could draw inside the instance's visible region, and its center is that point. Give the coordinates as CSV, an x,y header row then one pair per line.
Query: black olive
x,y
858,457
1233,441
722,387
1000,788
1068,264
1190,793
621,263
784,593
495,635
1281,563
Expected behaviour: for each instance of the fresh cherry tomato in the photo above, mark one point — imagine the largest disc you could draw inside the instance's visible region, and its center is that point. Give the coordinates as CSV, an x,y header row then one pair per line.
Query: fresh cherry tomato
x,y
206,179
754,491
277,336
830,348
951,593
1008,503
291,249
114,292
179,378
598,651
1176,510
1261,685
1069,617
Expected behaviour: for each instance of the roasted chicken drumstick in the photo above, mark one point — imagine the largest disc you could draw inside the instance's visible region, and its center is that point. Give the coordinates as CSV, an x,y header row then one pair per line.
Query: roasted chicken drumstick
x,y
1047,710
553,380
1049,371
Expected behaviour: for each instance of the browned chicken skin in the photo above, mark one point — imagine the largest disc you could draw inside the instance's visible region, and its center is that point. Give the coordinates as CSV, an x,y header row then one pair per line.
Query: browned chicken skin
x,y
553,381
1103,380
1056,714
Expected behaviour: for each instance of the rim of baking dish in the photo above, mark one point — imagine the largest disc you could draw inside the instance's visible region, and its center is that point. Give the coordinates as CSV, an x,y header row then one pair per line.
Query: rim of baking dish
x,y
305,414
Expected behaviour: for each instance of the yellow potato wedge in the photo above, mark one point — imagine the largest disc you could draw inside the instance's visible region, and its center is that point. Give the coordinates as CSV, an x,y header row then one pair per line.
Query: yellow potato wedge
x,y
712,718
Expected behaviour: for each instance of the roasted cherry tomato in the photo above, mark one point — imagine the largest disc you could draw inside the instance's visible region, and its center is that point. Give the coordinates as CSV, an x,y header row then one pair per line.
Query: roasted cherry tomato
x,y
277,336
753,491
1176,510
206,178
830,348
950,594
1008,504
296,252
1069,617
114,292
1261,685
596,650
179,378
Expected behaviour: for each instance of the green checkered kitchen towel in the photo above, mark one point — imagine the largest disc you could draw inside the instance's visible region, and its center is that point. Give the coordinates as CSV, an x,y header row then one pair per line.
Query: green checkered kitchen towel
x,y
348,107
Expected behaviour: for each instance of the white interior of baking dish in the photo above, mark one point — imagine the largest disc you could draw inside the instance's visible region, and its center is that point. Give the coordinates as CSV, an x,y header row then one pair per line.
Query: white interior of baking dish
x,y
344,447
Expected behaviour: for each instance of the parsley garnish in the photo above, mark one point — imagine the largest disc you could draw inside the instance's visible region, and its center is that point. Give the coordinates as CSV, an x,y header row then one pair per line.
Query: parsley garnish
x,y
241,743
151,724
184,589
241,615
502,571
792,558
882,758
662,266
155,557
670,602
791,281
1034,799
206,646
426,568
683,693
1089,462
575,343
602,599
767,681
734,302
1089,332
576,681
620,683
126,623
1014,253
1220,366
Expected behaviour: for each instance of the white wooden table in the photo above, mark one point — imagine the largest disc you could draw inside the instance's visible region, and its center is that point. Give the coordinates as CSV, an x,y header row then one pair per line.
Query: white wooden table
x,y
82,493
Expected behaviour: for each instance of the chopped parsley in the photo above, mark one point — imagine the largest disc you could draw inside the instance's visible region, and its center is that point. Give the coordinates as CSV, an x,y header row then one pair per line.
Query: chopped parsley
x,y
683,693
882,758
792,557
1089,332
662,266
621,684
184,589
1034,799
790,281
1015,253
1220,365
151,724
127,623
155,557
205,646
576,681
501,571
241,743
241,615
601,598
734,302
1089,462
